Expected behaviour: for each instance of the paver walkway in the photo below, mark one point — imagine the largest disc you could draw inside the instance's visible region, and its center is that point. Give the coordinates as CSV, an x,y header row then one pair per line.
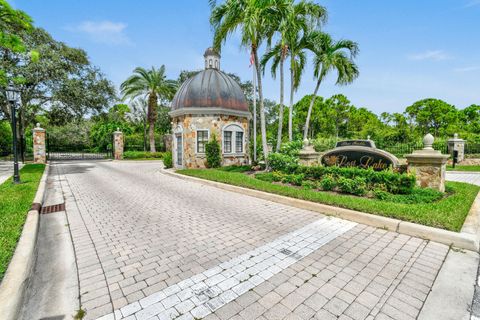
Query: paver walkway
x,y
151,246
468,177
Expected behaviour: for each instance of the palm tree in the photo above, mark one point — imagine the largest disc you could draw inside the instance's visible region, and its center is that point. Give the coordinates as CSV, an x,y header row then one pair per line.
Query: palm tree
x,y
329,56
152,84
253,19
278,55
291,19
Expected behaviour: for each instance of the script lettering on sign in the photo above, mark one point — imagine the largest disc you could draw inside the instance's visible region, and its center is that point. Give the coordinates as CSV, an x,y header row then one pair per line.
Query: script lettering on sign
x,y
360,157
358,143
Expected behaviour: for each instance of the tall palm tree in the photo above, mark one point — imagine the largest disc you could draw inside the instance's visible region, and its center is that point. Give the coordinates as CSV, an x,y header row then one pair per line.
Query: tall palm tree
x,y
330,56
290,20
297,25
152,84
277,54
253,19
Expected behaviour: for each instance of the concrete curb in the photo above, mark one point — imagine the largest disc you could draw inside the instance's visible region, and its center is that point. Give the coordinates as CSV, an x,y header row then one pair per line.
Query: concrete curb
x,y
17,277
461,240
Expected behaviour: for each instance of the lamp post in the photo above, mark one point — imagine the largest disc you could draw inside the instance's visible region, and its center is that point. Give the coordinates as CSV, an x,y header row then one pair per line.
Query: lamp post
x,y
12,97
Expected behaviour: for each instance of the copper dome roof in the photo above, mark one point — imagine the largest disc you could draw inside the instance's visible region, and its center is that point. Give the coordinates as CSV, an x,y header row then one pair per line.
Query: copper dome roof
x,y
210,88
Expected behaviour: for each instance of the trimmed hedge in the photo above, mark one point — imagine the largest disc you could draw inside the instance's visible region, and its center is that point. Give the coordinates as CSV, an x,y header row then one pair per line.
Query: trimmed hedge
x,y
142,155
393,182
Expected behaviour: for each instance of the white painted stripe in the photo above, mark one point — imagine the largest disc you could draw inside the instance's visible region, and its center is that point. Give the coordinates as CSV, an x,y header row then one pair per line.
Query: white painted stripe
x,y
206,292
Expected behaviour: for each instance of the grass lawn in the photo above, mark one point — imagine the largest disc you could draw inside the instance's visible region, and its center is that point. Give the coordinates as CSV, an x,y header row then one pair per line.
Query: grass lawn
x,y
448,213
15,201
463,168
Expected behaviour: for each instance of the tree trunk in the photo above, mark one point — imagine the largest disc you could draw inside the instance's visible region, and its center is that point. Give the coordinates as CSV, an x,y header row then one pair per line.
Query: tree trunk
x,y
290,109
280,112
144,134
310,107
263,124
152,117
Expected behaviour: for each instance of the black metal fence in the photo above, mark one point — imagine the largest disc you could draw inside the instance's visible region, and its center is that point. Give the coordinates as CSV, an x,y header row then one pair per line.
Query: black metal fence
x,y
62,151
401,149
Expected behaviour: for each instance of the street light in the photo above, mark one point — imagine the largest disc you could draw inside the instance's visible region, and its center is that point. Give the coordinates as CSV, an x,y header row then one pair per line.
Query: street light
x,y
13,95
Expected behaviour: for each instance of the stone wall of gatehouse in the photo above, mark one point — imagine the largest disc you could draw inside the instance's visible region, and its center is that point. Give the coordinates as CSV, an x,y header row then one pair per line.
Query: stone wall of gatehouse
x,y
188,125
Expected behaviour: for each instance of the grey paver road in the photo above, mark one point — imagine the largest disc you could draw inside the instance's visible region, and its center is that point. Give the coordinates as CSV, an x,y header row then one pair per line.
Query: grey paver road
x,y
151,246
6,170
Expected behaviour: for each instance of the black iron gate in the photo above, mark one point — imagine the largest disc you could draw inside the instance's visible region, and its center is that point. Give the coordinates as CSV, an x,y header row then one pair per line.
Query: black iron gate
x,y
66,151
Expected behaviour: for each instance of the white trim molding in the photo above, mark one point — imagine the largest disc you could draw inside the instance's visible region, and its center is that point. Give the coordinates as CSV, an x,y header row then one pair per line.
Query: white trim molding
x,y
210,111
233,127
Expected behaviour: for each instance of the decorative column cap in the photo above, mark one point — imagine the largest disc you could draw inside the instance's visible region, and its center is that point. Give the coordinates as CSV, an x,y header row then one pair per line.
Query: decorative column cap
x,y
455,138
428,142
118,131
38,128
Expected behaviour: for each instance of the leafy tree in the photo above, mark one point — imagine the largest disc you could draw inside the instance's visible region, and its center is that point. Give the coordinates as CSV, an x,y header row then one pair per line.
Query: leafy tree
x,y
470,116
433,114
154,85
330,55
107,123
62,84
13,23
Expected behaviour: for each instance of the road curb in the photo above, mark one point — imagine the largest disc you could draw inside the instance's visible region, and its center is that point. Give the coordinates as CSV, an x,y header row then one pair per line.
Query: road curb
x,y
17,277
461,240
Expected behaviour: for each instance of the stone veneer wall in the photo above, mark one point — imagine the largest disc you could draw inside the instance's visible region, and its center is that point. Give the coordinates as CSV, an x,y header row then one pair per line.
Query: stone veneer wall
x,y
430,176
215,124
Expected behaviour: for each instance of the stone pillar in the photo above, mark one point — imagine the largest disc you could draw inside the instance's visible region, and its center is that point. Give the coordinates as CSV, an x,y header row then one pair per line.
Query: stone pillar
x,y
429,165
39,151
118,145
456,144
168,142
308,156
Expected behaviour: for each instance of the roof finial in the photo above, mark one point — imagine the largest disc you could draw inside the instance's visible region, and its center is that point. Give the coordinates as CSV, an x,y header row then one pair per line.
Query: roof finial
x,y
212,59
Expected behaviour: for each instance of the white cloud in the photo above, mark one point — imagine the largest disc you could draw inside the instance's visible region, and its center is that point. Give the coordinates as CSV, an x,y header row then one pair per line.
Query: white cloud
x,y
467,69
433,55
107,32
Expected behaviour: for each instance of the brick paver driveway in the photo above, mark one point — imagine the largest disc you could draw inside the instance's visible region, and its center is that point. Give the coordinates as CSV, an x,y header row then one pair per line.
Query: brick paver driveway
x,y
149,245
468,177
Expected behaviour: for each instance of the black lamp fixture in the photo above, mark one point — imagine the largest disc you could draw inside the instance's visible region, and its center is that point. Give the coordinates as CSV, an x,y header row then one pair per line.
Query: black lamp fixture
x,y
13,97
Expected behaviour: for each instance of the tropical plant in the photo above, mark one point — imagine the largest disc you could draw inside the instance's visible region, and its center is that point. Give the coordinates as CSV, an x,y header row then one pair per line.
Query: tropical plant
x,y
297,28
213,153
168,159
153,85
253,18
330,55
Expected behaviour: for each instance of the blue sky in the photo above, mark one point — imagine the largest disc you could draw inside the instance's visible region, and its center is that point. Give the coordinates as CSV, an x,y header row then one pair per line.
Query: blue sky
x,y
410,49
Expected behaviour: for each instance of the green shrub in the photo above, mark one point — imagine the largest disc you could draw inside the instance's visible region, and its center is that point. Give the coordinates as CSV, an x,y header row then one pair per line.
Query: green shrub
x,y
212,151
360,186
291,148
168,159
142,155
235,168
309,184
327,183
346,185
277,176
282,162
295,179
397,183
265,176
418,195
